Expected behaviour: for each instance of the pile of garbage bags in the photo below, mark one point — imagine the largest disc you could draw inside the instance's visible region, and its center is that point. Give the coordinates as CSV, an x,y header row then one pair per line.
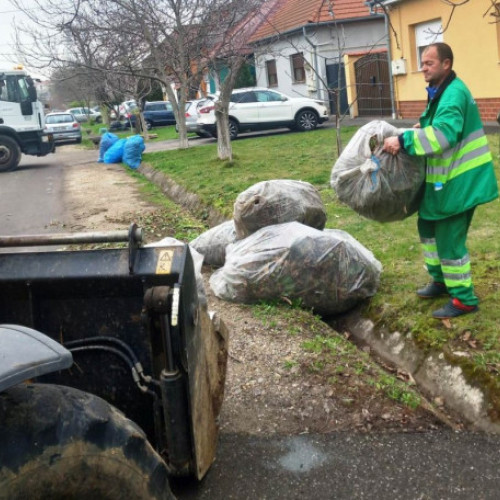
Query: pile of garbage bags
x,y
374,183
112,149
286,253
263,204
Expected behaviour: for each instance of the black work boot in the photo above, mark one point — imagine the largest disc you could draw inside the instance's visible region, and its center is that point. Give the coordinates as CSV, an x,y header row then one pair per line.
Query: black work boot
x,y
434,289
453,309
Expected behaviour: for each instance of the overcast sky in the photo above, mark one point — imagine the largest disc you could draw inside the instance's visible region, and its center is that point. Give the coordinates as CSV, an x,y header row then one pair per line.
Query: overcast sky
x,y
9,16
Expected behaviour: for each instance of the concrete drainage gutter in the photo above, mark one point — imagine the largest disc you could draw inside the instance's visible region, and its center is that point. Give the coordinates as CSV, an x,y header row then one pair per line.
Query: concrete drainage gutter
x,y
181,196
432,372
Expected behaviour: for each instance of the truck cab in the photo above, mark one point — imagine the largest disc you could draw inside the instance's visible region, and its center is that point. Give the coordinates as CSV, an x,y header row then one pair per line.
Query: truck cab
x,y
22,120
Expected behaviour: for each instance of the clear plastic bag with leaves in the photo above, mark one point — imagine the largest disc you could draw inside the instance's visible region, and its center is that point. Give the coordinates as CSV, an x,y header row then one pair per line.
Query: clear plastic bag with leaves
x,y
376,184
326,271
213,242
277,201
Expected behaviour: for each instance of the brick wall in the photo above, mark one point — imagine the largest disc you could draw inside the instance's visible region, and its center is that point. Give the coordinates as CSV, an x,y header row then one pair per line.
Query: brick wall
x,y
489,108
411,109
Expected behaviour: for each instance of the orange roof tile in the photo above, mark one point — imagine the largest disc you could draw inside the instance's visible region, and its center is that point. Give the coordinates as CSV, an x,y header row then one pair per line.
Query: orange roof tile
x,y
290,14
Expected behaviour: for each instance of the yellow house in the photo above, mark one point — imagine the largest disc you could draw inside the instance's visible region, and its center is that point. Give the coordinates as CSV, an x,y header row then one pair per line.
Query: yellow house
x,y
473,32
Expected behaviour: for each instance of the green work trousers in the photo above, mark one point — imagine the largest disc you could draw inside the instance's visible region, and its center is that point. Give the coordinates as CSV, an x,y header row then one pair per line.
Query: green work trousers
x,y
446,256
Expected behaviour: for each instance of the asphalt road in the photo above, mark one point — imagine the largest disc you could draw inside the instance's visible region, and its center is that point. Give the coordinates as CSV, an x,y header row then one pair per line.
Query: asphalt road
x,y
31,195
443,466
333,466
31,200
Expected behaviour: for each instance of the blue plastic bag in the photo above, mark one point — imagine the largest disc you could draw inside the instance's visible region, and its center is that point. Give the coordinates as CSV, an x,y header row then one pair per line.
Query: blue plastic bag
x,y
132,153
115,153
107,140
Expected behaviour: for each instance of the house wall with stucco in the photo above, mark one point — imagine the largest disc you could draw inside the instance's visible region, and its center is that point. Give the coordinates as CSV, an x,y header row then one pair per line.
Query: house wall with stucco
x,y
473,34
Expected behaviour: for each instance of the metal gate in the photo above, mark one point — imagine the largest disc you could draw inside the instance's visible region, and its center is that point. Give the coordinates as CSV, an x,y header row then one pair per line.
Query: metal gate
x,y
372,84
334,85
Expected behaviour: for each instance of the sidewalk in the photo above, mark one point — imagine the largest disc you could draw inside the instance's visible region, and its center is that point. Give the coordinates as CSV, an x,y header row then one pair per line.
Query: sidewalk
x,y
489,127
151,147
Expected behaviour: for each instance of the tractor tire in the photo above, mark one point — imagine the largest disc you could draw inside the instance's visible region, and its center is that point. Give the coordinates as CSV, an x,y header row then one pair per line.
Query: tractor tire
x,y
10,154
58,442
306,120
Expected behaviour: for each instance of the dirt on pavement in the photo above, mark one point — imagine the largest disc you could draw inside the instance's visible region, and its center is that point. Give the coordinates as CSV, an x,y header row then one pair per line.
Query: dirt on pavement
x,y
288,372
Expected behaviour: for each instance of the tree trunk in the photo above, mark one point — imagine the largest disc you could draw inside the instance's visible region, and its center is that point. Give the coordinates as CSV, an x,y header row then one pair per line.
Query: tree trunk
x,y
178,105
337,120
224,148
106,120
142,126
183,139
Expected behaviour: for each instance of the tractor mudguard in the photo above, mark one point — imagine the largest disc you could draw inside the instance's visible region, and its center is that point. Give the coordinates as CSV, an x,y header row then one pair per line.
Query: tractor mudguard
x,y
26,353
133,321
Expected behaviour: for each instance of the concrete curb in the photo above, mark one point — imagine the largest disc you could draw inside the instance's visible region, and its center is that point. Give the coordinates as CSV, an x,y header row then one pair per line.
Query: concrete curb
x,y
431,372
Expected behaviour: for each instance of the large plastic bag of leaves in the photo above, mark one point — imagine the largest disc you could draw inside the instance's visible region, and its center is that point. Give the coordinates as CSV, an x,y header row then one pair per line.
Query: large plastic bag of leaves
x,y
351,240
107,140
212,243
325,271
115,153
376,184
277,201
132,152
197,263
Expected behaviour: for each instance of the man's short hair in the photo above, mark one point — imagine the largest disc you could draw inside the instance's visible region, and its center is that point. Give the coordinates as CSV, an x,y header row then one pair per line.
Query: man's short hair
x,y
443,51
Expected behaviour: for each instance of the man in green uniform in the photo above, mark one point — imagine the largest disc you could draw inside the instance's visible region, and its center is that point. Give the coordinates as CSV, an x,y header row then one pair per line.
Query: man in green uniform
x,y
459,177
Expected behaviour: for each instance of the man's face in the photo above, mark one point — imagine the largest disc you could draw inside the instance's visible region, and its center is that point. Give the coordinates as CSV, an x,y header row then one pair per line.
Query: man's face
x,y
434,70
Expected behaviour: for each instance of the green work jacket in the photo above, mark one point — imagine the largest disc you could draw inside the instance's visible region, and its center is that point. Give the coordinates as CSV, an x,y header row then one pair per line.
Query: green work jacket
x,y
459,172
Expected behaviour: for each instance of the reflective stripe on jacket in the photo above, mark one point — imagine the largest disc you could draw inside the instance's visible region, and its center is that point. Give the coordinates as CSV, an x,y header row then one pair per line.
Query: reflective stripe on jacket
x,y
455,145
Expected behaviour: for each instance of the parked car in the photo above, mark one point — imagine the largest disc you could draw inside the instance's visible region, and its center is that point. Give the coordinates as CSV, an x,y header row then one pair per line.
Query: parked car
x,y
155,113
158,113
64,127
85,114
192,114
262,109
123,110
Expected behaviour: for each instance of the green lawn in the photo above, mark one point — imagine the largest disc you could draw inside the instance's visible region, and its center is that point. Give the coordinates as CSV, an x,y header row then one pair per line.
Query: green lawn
x,y
310,157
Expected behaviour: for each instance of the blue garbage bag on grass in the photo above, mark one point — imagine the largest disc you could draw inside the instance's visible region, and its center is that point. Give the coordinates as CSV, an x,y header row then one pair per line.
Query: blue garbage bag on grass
x,y
115,153
107,140
132,153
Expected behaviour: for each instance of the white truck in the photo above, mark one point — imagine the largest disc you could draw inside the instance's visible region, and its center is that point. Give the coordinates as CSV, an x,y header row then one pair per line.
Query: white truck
x,y
22,120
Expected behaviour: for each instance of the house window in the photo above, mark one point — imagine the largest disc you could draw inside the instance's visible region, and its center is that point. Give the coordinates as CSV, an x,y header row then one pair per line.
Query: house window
x,y
425,34
298,71
272,74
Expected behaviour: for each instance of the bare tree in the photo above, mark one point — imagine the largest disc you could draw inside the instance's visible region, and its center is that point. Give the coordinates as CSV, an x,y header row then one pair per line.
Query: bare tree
x,y
231,52
69,87
169,41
